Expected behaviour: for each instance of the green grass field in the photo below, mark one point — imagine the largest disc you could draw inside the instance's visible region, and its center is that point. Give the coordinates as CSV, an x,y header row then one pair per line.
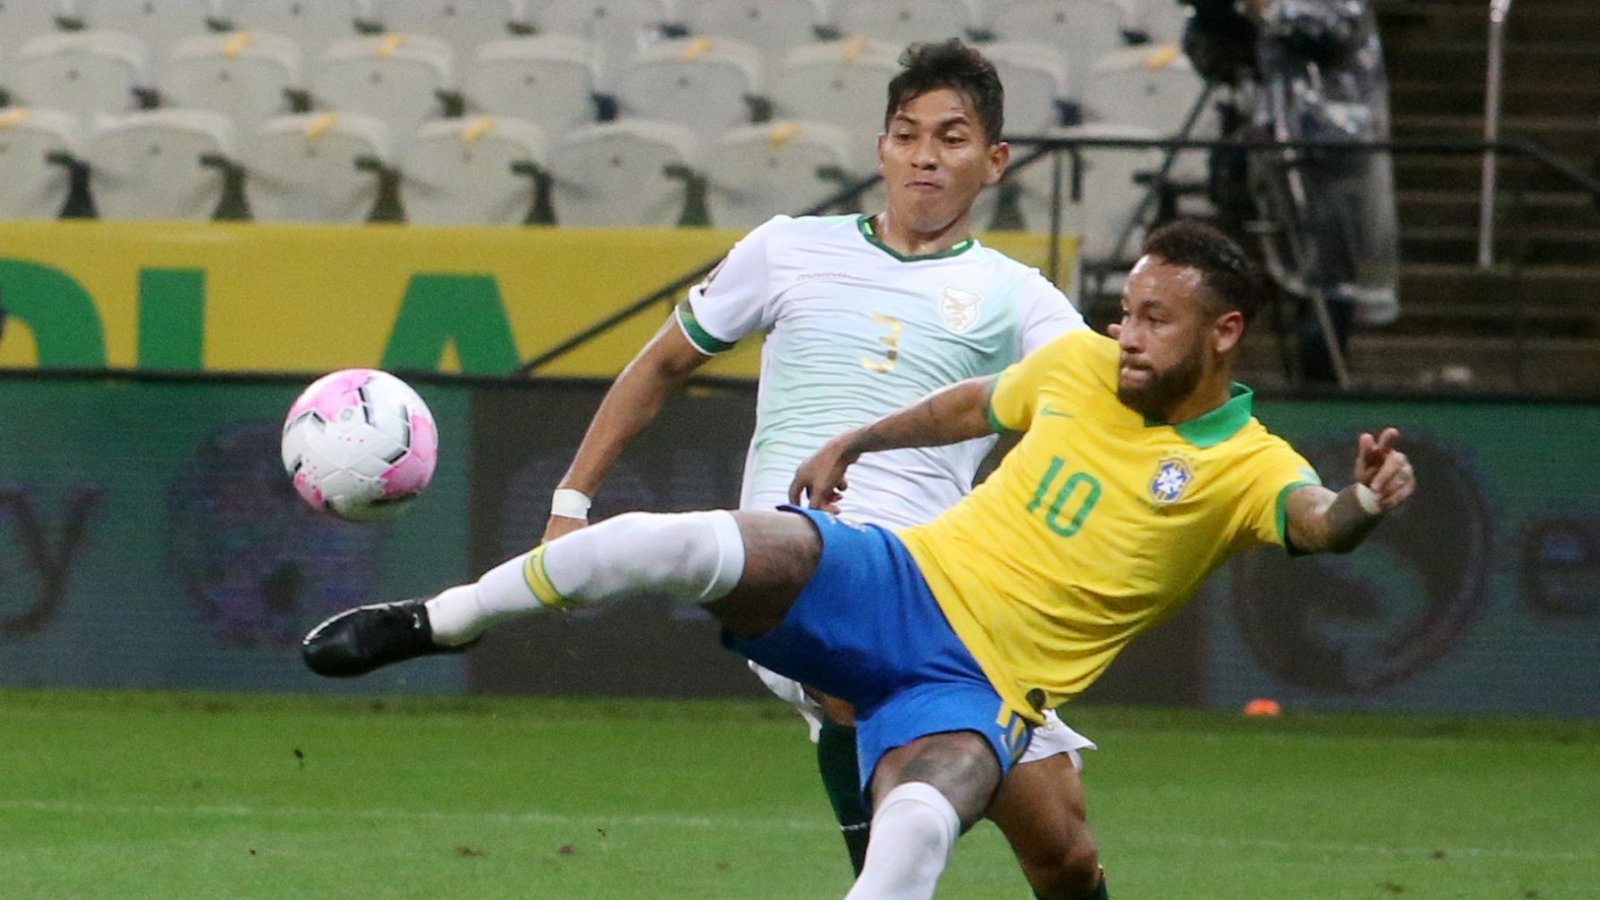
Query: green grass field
x,y
130,795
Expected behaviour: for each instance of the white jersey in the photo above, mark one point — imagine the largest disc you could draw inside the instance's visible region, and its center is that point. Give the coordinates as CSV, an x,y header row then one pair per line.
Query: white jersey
x,y
854,331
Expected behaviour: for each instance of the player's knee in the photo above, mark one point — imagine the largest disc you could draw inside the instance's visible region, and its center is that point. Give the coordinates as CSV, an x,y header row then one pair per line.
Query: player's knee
x,y
1065,871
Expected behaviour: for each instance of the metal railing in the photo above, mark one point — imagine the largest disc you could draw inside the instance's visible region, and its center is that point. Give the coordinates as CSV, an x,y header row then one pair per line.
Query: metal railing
x,y
1498,11
1066,160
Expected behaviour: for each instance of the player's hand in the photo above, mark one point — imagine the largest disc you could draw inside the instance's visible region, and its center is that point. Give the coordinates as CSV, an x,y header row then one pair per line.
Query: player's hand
x,y
819,482
560,525
1384,469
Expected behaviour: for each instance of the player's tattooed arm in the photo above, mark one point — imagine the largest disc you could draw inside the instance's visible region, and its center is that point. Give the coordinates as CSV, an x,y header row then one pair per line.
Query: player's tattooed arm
x,y
1321,521
946,416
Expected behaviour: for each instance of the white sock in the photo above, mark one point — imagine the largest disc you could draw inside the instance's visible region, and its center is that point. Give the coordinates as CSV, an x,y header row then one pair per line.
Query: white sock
x,y
913,830
465,611
696,557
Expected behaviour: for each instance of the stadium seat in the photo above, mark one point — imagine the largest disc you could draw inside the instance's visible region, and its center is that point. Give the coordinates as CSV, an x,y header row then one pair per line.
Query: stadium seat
x,y
774,27
705,83
548,80
778,167
316,167
160,164
617,28
1037,87
902,22
1152,88
1112,189
842,83
1084,30
160,24
29,19
465,25
477,171
313,24
1163,21
624,173
36,146
395,78
248,75
86,73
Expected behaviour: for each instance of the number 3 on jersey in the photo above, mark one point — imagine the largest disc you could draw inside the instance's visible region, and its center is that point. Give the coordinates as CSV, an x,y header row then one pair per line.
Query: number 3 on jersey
x,y
890,342
1079,488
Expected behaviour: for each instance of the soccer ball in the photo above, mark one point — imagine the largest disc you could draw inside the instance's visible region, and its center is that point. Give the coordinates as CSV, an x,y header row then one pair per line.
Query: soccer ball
x,y
360,444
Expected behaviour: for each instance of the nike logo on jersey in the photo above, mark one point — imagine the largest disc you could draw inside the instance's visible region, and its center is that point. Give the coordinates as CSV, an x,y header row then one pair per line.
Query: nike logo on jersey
x,y
1051,411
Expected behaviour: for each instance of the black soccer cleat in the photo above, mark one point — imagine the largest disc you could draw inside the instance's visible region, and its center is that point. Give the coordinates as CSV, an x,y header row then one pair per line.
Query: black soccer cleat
x,y
360,640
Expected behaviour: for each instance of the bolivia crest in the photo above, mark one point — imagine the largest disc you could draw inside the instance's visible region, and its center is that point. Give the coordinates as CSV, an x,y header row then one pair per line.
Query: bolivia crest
x,y
958,307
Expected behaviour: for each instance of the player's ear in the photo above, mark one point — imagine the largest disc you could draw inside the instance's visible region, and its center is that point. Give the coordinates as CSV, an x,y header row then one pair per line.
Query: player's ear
x,y
999,158
1227,331
883,138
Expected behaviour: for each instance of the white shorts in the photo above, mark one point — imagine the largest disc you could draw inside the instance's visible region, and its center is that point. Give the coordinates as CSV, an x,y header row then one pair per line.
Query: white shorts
x,y
1053,737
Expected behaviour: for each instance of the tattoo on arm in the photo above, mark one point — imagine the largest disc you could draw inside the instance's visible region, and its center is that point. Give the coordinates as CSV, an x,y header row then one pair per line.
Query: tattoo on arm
x,y
1347,523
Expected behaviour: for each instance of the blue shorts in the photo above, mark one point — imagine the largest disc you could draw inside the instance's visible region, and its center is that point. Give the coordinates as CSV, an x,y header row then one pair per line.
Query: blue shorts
x,y
866,629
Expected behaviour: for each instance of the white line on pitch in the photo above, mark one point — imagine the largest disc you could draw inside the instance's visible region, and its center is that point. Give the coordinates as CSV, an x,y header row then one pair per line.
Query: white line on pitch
x,y
721,823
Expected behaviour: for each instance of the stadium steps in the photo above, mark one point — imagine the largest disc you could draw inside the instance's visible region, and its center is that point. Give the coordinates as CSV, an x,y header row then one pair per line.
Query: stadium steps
x,y
1532,322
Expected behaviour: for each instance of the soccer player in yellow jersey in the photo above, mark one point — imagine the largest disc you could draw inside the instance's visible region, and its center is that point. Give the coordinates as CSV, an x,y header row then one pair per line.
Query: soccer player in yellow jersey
x,y
1139,471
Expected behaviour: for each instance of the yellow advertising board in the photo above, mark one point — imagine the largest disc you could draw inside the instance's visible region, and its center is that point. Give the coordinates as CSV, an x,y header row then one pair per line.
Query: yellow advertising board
x,y
247,297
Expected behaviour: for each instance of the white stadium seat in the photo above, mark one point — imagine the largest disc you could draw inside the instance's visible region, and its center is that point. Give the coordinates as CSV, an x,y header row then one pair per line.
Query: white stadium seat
x,y
623,173
549,80
841,82
465,25
775,27
20,21
313,24
395,78
160,24
1036,83
36,186
315,167
245,74
159,164
1163,21
617,28
1084,30
902,22
86,73
476,171
1111,191
1152,88
777,167
704,83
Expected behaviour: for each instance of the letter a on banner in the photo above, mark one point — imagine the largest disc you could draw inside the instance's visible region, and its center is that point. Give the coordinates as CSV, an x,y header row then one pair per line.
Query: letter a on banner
x,y
441,309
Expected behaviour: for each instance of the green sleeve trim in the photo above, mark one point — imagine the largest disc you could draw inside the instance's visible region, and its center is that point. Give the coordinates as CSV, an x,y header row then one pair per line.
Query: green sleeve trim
x,y
697,335
1283,512
995,425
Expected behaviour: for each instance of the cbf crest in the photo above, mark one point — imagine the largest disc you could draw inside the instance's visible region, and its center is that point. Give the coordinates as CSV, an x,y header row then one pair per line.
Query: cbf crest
x,y
958,307
1172,477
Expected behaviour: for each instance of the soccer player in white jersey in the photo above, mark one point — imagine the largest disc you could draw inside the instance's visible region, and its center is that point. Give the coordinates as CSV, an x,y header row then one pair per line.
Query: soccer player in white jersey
x,y
862,315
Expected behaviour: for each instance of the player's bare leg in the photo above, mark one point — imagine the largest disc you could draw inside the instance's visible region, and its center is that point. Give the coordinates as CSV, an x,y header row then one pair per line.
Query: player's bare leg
x,y
925,794
1040,809
745,568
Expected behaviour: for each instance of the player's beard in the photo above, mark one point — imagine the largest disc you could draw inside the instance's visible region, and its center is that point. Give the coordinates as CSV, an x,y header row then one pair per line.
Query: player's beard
x,y
1165,389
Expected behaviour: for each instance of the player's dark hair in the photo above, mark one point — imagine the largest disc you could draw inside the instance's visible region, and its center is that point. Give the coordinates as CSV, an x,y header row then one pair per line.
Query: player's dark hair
x,y
953,65
1229,279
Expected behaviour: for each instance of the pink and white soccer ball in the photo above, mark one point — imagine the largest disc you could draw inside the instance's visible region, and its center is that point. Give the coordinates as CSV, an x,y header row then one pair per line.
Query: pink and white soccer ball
x,y
360,444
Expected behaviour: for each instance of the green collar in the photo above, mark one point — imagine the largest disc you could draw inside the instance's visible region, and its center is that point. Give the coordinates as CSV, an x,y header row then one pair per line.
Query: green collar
x,y
1217,425
865,224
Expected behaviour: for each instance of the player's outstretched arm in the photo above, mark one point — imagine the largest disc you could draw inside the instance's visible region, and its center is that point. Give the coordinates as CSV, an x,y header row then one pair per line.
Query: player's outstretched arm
x,y
1321,521
633,401
949,415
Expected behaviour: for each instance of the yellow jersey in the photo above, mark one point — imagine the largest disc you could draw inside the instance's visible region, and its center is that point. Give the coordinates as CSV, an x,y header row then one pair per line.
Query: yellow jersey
x,y
1098,524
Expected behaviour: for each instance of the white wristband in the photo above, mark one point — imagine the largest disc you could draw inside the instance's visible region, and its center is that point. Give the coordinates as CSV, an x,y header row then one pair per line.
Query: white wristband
x,y
1368,500
570,504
